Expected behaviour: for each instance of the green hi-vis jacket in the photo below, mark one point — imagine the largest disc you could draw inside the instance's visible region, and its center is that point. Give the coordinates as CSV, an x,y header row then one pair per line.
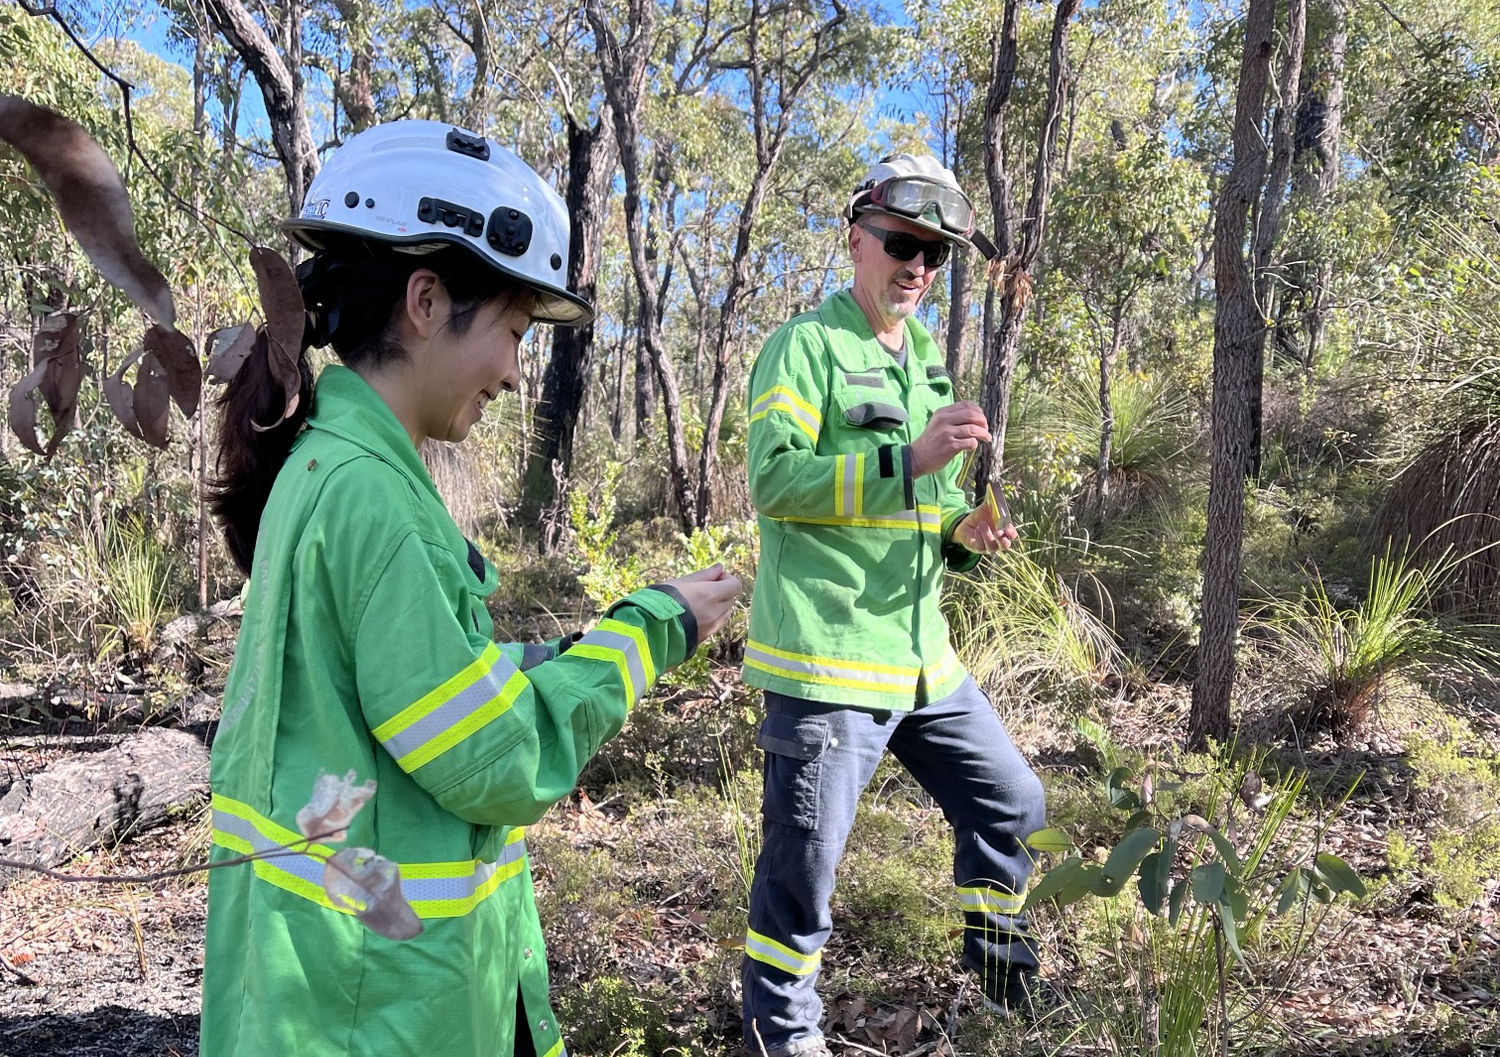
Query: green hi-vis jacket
x,y
852,547
366,647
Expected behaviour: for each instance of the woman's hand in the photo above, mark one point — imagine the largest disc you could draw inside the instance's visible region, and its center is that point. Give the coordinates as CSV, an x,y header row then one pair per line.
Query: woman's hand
x,y
710,594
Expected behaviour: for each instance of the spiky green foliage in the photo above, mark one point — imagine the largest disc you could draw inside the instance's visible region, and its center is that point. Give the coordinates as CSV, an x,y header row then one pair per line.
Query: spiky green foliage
x,y
1342,657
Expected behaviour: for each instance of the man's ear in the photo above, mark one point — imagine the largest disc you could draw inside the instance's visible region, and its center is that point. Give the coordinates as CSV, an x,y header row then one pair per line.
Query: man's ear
x,y
426,303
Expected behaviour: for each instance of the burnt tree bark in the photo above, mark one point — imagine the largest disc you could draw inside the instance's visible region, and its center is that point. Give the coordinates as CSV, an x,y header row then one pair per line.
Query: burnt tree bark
x,y
1238,328
591,166
1017,238
90,800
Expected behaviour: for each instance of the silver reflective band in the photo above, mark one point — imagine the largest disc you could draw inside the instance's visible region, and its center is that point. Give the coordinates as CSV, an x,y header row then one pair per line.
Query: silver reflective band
x,y
626,646
453,711
776,400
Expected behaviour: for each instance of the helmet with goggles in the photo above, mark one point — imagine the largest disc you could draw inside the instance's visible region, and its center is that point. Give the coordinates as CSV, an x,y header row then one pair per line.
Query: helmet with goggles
x,y
421,186
916,188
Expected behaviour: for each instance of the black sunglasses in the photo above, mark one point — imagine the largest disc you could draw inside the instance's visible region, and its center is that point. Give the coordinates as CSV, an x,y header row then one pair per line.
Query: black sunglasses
x,y
903,246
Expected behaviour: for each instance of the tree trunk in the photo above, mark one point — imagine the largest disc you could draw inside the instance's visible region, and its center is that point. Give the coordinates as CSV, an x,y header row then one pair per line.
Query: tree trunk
x,y
1017,240
1238,328
1107,363
623,68
591,166
1267,216
960,292
280,81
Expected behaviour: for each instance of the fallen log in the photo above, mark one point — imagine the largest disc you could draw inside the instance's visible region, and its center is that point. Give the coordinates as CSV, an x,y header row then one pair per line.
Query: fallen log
x,y
99,799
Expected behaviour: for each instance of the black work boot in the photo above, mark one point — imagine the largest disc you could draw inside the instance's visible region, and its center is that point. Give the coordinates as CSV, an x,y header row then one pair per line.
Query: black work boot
x,y
1022,993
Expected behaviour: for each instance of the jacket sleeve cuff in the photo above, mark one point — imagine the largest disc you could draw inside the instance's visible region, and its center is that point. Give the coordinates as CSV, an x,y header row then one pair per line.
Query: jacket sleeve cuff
x,y
956,556
667,613
689,621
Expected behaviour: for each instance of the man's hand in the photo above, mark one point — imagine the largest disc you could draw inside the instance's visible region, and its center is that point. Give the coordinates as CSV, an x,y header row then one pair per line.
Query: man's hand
x,y
952,429
981,533
710,595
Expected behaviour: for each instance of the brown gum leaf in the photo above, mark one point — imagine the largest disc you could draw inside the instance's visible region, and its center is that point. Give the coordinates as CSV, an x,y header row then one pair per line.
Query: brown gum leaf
x,y
231,347
60,386
120,395
284,370
151,403
333,804
280,297
174,351
91,198
23,409
286,320
56,344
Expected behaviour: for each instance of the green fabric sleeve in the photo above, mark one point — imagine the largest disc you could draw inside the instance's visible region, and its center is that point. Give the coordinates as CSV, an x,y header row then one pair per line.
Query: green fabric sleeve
x,y
789,388
493,744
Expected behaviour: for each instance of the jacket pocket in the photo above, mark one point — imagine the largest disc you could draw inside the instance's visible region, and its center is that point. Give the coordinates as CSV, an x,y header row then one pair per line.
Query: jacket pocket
x,y
794,762
873,414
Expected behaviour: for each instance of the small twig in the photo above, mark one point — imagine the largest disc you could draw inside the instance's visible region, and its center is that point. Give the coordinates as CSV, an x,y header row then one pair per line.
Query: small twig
x,y
203,216
760,1042
179,871
26,980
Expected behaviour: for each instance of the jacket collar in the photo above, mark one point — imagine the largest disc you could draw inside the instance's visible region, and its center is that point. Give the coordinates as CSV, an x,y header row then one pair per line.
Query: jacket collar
x,y
346,406
842,312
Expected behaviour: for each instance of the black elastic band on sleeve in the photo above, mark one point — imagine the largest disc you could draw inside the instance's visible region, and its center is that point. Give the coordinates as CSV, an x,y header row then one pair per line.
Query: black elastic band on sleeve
x,y
911,484
887,460
689,621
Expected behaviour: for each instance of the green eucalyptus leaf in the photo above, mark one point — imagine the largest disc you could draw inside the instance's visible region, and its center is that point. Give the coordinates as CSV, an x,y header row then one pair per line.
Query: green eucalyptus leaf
x,y
1178,900
1120,797
1208,882
1053,840
1127,855
1339,875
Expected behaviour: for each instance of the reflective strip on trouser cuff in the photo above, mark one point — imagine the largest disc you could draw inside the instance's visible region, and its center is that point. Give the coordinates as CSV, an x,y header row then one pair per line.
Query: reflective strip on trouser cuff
x,y
434,889
990,901
625,646
782,399
765,949
828,671
924,518
849,485
474,697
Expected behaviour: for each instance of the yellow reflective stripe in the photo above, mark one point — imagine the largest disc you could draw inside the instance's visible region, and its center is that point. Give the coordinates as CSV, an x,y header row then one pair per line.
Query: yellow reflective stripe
x,y
626,647
642,646
780,398
859,485
765,949
862,666
296,866
924,518
781,392
557,1048
981,900
476,720
944,670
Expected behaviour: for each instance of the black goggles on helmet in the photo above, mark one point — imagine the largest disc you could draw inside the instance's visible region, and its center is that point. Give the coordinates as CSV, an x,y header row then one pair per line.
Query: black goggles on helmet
x,y
918,196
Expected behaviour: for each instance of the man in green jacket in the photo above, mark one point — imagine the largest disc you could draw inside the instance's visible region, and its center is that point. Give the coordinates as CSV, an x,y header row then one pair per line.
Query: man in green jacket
x,y
854,445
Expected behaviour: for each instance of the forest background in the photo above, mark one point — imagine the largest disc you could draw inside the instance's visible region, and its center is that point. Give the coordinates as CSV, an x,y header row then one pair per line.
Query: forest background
x,y
1238,347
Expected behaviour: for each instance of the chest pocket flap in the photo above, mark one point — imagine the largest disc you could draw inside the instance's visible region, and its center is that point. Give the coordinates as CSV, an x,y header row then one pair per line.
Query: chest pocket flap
x,y
874,414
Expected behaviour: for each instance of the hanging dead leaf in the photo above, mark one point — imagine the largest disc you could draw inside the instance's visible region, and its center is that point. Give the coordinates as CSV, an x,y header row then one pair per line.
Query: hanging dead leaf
x,y
120,395
334,803
91,198
286,319
150,401
230,348
23,410
57,373
174,351
369,885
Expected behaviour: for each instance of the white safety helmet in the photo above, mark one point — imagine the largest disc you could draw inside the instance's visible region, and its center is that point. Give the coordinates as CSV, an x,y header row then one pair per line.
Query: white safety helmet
x,y
915,187
421,186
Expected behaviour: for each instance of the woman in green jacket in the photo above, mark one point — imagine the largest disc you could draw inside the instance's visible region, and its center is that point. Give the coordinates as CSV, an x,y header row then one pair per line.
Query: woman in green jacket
x,y
366,659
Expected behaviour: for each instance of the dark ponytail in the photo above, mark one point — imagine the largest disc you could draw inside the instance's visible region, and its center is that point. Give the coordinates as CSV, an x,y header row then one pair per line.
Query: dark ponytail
x,y
352,290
